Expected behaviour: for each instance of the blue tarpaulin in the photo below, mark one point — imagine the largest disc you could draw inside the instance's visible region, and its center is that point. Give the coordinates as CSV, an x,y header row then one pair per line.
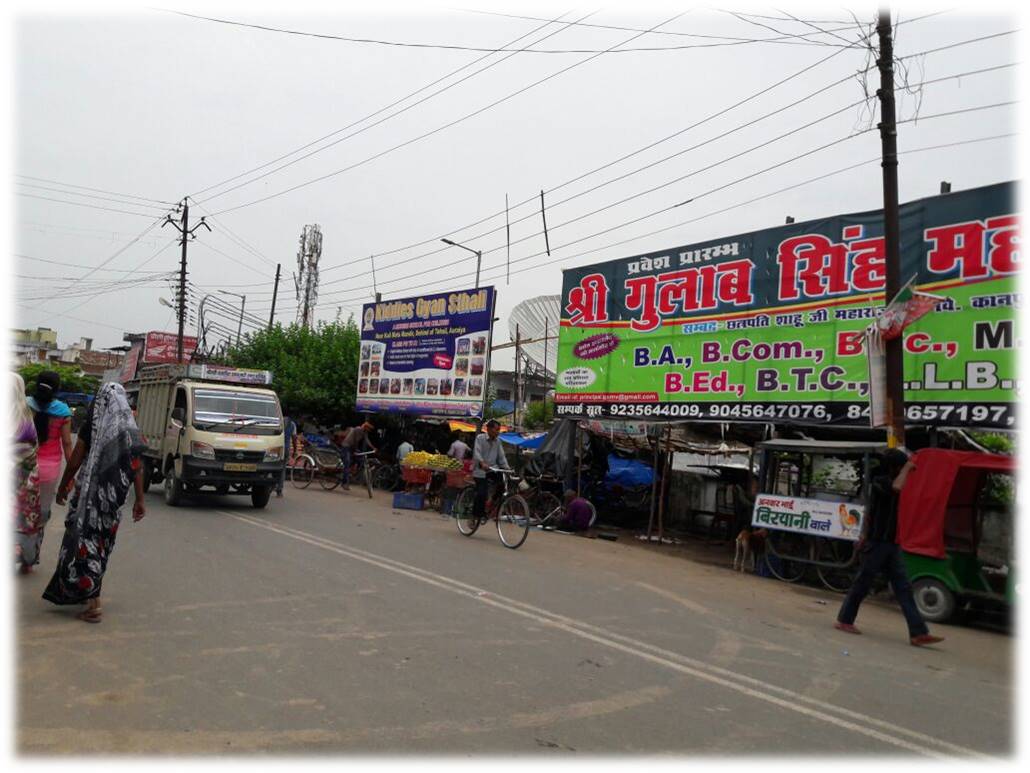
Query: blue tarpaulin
x,y
530,442
628,473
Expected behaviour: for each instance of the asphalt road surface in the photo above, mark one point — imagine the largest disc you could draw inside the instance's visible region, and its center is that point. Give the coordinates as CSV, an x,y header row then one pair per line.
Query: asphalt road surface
x,y
329,624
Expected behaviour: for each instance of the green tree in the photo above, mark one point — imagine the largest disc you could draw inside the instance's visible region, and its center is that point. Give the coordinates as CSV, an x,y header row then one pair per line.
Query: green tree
x,y
72,379
539,415
314,371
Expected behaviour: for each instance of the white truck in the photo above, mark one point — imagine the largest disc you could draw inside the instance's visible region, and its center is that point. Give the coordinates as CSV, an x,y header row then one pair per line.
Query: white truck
x,y
209,429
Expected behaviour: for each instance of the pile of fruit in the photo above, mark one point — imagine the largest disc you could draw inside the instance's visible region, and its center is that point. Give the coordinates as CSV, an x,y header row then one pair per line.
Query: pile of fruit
x,y
429,461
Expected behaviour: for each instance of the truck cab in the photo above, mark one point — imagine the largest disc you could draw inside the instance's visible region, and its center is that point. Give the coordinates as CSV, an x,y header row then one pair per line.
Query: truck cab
x,y
210,430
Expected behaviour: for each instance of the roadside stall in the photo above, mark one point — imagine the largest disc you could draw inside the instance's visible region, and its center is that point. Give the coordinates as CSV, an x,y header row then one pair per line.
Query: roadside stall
x,y
812,501
955,526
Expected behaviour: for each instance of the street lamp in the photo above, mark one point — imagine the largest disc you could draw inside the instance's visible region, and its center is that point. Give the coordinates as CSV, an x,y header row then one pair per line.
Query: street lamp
x,y
477,253
239,330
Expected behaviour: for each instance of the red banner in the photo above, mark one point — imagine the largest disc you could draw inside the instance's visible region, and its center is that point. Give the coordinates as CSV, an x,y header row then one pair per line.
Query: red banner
x,y
163,347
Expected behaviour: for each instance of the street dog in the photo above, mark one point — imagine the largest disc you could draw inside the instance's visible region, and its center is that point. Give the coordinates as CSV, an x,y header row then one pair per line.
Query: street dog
x,y
750,543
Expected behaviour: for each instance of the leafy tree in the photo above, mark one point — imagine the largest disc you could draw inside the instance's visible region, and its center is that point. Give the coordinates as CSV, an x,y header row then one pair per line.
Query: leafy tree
x,y
72,379
539,415
314,370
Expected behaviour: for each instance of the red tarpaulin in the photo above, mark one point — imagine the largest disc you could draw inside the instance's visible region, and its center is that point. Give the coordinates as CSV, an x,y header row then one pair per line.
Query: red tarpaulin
x,y
940,496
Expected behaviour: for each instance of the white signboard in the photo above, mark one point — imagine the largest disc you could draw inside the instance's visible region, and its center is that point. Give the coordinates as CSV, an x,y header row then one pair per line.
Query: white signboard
x,y
877,359
838,520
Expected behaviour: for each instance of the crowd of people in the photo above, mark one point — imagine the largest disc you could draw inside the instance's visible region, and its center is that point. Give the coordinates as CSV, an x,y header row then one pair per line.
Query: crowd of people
x,y
99,471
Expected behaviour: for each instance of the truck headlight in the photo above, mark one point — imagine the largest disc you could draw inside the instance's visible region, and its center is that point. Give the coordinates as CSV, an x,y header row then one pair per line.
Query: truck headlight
x,y
202,450
274,454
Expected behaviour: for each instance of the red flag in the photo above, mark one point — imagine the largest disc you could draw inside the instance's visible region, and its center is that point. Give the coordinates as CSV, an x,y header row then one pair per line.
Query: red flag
x,y
908,306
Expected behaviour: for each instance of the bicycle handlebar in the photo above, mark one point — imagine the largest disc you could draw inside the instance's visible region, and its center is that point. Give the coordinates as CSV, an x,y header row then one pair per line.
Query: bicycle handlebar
x,y
503,471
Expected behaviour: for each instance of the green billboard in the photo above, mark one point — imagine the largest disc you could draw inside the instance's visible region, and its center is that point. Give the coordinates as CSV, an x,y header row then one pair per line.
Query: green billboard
x,y
768,326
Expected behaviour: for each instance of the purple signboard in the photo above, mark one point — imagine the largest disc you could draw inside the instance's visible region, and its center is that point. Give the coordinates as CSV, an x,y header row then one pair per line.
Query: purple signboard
x,y
428,355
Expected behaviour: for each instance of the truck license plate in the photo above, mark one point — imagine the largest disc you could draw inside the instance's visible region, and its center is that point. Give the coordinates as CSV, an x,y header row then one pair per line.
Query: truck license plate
x,y
234,467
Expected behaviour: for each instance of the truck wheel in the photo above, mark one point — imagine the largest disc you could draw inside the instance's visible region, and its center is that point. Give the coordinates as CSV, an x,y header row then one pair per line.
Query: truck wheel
x,y
935,602
147,474
173,489
259,496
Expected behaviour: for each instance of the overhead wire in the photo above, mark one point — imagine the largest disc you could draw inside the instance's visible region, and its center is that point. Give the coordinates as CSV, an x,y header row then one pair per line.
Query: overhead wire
x,y
430,133
532,199
712,165
83,204
388,107
96,190
90,196
265,28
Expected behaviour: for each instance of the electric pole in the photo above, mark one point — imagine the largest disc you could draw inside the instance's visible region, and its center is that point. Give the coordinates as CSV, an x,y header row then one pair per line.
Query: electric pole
x,y
275,293
891,230
187,234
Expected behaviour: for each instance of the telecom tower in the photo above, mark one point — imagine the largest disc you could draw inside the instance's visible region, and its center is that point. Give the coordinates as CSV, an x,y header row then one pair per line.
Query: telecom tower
x,y
306,280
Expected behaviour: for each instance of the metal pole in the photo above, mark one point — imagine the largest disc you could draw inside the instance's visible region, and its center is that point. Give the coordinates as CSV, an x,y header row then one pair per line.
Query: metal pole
x,y
546,371
654,487
479,259
182,278
275,293
515,410
891,229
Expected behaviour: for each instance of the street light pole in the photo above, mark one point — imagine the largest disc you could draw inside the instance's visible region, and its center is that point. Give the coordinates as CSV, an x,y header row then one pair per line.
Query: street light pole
x,y
477,253
243,304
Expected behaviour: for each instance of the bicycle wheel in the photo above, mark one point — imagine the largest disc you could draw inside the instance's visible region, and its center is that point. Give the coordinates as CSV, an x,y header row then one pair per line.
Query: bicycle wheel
x,y
513,521
385,477
785,557
839,579
464,507
544,508
303,471
329,477
367,475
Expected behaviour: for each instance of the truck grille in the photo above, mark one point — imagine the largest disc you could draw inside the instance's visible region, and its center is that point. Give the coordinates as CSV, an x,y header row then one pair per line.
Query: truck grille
x,y
224,455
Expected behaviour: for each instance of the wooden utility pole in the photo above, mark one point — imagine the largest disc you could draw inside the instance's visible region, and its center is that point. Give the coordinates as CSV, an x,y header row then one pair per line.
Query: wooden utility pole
x,y
891,230
275,294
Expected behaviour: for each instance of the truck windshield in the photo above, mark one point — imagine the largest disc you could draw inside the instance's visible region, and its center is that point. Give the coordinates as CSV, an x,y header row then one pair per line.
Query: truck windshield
x,y
224,406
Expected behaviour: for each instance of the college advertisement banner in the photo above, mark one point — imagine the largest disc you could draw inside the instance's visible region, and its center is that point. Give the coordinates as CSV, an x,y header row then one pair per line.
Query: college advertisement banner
x,y
428,355
769,326
838,520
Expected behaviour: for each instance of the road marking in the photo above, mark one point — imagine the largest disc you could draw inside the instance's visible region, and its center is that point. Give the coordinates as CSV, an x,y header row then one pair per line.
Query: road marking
x,y
693,606
820,711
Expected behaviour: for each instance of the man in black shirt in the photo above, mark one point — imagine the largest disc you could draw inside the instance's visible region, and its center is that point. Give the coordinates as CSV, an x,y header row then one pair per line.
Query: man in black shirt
x,y
880,552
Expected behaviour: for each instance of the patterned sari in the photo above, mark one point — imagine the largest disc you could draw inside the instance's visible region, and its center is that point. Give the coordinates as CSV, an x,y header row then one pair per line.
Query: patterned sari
x,y
28,521
103,483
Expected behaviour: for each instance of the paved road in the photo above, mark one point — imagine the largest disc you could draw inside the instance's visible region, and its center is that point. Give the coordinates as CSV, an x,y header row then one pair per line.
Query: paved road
x,y
327,623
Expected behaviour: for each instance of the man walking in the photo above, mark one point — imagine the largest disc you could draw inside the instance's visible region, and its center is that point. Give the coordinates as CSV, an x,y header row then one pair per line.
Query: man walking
x,y
487,453
880,552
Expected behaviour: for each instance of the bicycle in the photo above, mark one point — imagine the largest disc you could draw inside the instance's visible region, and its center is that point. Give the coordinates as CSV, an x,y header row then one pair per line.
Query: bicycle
x,y
509,511
546,509
385,476
364,469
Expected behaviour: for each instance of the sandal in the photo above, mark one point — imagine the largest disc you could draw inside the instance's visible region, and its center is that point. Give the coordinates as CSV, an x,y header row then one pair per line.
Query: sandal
x,y
90,615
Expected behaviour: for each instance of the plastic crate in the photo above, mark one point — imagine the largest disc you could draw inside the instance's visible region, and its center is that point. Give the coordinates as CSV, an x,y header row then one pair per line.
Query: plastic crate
x,y
458,479
416,475
405,501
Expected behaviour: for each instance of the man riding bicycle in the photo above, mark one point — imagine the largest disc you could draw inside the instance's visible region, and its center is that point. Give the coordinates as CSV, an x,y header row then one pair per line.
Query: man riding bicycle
x,y
356,440
487,452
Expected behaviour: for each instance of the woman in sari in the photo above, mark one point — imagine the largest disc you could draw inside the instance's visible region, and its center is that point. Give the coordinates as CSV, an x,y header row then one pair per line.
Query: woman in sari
x,y
106,459
52,420
28,521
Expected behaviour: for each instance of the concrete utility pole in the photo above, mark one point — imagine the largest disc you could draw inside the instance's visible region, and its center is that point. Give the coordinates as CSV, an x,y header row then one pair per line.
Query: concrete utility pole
x,y
187,234
275,294
891,230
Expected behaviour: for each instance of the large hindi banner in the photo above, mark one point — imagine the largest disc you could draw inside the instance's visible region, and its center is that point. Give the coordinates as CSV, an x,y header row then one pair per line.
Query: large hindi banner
x,y
426,356
768,326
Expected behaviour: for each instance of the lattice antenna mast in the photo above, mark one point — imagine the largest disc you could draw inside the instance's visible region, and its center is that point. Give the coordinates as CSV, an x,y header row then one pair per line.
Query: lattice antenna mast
x,y
307,273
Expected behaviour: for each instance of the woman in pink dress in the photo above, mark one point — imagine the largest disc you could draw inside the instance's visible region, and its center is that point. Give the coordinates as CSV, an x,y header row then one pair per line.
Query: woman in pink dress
x,y
52,420
26,479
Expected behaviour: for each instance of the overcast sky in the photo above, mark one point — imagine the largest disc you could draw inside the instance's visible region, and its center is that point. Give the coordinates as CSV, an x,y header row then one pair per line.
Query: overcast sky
x,y
156,106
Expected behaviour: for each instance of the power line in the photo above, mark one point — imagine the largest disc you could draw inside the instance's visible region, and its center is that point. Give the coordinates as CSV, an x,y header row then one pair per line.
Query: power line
x,y
96,190
697,171
393,104
82,204
455,231
322,36
425,134
705,193
89,196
